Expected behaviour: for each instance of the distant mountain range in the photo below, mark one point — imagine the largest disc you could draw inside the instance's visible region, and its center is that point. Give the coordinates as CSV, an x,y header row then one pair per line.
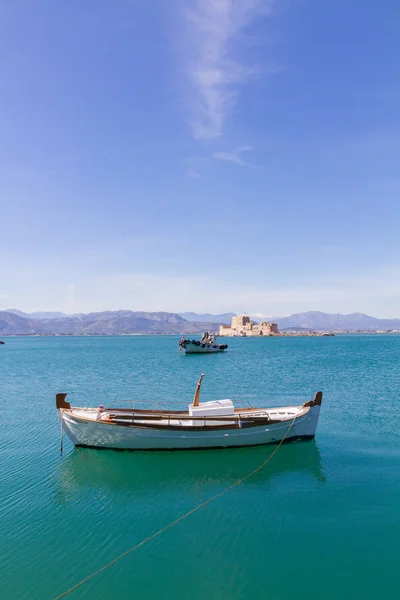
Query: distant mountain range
x,y
223,318
310,321
319,321
102,323
38,315
15,322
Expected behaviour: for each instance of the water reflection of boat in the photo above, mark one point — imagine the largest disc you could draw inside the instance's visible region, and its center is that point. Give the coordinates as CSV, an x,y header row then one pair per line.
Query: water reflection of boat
x,y
144,473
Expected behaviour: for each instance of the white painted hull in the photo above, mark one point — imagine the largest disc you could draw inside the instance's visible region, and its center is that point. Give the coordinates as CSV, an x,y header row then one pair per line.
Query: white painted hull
x,y
208,349
85,431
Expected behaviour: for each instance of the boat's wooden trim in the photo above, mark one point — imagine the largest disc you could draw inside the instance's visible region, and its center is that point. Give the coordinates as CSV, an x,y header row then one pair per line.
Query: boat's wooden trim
x,y
186,417
159,426
60,401
142,411
174,413
318,399
316,402
239,422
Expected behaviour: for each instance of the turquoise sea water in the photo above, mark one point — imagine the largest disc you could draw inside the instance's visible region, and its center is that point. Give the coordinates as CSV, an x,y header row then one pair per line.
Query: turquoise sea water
x,y
322,520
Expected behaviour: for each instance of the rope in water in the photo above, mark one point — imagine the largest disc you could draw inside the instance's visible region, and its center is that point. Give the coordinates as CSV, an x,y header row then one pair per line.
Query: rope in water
x,y
181,518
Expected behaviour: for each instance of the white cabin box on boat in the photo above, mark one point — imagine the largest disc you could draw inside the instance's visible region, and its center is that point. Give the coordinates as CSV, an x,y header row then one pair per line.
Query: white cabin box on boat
x,y
215,408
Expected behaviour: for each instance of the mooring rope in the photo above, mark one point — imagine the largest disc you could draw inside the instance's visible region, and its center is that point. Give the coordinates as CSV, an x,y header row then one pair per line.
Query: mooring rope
x,y
61,435
181,518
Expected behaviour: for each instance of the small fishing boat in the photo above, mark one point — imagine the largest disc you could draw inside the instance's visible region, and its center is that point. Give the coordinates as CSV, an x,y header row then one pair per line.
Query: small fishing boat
x,y
203,346
214,424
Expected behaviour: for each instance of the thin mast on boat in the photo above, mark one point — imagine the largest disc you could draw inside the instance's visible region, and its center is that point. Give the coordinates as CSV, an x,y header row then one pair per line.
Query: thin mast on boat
x,y
197,393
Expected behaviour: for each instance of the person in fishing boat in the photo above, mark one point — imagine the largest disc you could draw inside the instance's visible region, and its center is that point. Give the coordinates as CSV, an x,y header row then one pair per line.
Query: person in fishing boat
x,y
207,338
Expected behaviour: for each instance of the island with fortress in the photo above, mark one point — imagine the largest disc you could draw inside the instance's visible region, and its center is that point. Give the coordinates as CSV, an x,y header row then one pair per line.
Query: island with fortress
x,y
243,326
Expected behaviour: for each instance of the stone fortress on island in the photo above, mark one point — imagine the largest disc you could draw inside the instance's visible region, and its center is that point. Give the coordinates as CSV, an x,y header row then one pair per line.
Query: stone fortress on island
x,y
243,326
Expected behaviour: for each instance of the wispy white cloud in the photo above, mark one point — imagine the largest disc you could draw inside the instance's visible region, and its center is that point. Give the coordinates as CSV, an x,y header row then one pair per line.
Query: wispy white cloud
x,y
234,156
215,71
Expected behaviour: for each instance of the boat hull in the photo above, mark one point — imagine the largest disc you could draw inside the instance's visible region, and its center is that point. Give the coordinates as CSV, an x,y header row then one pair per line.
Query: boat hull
x,y
200,350
190,348
103,434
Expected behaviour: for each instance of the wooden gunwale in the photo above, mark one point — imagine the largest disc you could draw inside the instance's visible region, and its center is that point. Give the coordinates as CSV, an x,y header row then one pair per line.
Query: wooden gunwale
x,y
133,420
129,413
192,427
142,411
168,412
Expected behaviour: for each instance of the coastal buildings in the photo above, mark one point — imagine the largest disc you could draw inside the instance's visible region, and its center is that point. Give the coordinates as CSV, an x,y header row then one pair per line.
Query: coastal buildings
x,y
242,325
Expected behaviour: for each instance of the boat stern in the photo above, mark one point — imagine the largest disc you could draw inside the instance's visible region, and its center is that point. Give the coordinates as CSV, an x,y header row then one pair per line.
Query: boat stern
x,y
315,408
61,404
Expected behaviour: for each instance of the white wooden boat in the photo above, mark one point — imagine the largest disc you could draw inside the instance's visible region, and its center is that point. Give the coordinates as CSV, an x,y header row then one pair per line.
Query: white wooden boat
x,y
203,346
215,424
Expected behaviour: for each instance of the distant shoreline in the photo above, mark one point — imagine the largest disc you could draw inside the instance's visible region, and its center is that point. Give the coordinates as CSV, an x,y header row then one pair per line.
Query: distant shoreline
x,y
127,322
148,333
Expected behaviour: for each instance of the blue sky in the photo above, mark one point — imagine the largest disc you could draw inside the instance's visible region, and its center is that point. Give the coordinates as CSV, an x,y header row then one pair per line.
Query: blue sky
x,y
205,155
